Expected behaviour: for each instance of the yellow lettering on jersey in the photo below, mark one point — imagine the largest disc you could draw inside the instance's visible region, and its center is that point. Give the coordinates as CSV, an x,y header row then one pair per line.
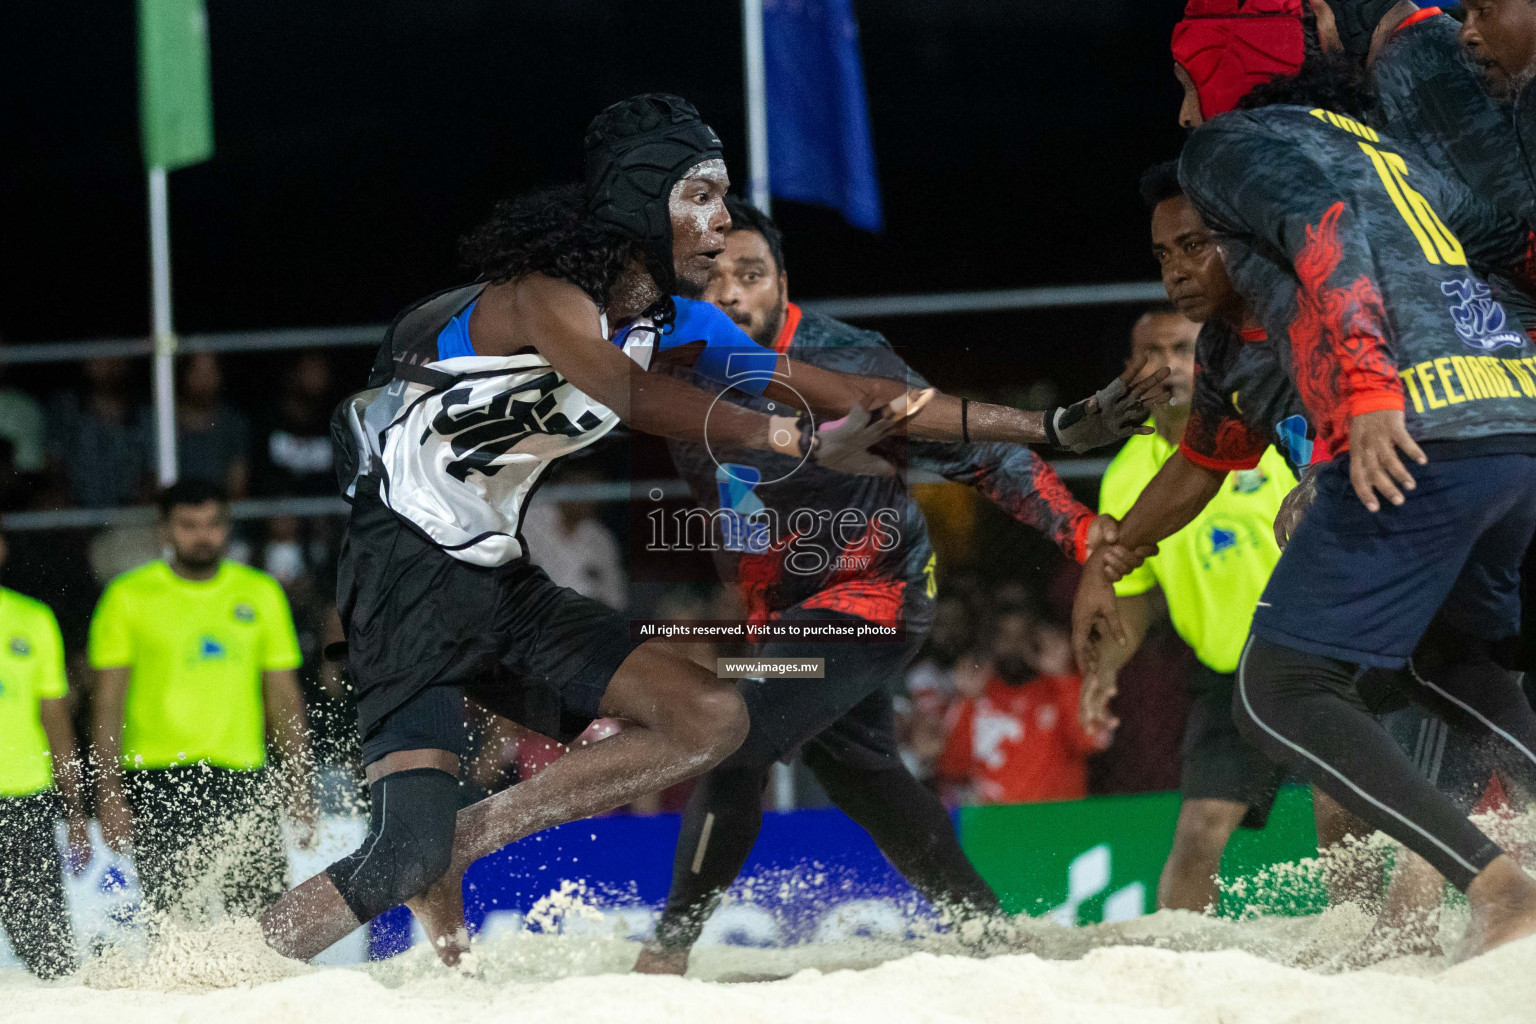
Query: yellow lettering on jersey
x,y
1413,389
1467,374
1437,241
1349,124
930,576
1495,369
1485,379
1443,368
1521,377
1434,401
1468,379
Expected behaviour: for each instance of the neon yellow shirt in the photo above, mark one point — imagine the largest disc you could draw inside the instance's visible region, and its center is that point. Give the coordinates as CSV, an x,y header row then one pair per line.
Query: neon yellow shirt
x,y
1213,571
197,650
31,671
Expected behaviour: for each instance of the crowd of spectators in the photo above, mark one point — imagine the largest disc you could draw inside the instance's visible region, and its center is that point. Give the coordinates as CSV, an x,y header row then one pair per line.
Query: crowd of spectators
x,y
989,708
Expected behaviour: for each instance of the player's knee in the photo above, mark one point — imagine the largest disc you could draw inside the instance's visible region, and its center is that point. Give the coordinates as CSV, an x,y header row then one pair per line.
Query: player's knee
x,y
409,845
719,717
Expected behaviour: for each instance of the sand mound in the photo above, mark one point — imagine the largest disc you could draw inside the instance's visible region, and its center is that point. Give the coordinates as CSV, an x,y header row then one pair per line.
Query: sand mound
x,y
1170,967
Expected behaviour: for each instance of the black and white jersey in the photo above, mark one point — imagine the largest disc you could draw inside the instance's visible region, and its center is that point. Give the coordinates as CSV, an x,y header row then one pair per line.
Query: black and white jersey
x,y
460,441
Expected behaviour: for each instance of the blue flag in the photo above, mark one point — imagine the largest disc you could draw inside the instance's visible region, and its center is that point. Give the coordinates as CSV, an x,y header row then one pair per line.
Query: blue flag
x,y
818,120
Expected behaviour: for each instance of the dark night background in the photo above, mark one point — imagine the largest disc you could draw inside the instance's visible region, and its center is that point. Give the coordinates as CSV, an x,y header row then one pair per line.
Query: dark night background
x,y
358,139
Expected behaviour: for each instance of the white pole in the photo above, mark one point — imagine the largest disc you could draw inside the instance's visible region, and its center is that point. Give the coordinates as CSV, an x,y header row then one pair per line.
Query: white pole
x,y
757,104
164,334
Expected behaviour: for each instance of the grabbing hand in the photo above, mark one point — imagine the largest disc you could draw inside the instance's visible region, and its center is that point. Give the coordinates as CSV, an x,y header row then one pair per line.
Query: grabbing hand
x,y
1375,438
1104,541
847,445
1117,411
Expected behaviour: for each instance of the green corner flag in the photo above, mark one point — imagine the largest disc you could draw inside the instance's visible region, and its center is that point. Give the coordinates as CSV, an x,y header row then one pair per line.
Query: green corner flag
x,y
175,106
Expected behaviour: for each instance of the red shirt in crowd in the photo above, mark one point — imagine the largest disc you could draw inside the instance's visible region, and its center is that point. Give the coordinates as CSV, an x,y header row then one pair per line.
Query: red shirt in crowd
x,y
1020,744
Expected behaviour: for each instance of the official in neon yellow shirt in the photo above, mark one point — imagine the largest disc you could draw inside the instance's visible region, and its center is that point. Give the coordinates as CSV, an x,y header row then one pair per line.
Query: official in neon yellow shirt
x,y
39,771
1210,574
196,660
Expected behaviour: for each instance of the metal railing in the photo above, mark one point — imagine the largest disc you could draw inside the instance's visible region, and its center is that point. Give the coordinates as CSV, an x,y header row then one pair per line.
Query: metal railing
x,y
937,303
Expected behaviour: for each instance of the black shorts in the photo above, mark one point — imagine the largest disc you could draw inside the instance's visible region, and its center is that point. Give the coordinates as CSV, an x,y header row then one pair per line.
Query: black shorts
x,y
418,620
1218,764
849,712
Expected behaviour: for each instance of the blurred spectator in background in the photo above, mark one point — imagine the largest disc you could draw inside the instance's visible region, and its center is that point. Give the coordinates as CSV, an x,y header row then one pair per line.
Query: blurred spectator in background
x,y
213,439
293,458
97,442
1019,739
195,662
921,717
570,543
294,455
39,772
22,424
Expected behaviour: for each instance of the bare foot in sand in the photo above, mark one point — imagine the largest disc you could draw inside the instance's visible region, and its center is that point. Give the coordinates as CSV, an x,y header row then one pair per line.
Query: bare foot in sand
x,y
441,913
657,959
1503,900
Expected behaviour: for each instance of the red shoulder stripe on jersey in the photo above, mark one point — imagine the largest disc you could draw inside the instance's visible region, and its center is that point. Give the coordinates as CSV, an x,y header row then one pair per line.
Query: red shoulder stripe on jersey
x,y
787,332
1228,465
1416,17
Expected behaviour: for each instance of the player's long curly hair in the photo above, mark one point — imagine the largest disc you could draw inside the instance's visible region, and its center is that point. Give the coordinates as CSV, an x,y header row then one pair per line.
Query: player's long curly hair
x,y
1328,80
548,232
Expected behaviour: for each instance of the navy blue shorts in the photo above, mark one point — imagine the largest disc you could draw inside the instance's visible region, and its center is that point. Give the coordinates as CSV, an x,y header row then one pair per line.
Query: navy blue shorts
x,y
1362,586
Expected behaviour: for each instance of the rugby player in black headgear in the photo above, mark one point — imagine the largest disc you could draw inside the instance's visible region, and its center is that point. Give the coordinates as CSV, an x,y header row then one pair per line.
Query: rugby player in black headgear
x,y
475,391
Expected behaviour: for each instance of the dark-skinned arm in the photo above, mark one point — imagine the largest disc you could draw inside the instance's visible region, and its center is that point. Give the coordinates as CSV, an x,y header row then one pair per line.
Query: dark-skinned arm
x,y
827,391
1176,495
945,417
563,324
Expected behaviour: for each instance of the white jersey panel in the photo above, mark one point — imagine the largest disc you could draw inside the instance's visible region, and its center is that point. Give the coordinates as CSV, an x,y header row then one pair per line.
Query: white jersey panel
x,y
460,462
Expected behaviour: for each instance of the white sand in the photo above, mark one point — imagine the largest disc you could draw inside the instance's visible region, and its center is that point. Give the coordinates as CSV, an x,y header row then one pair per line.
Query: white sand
x,y
1152,970
1167,968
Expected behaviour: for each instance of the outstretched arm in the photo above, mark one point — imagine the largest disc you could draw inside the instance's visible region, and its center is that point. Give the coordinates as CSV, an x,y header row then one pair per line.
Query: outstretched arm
x,y
1017,481
562,323
704,337
1115,412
